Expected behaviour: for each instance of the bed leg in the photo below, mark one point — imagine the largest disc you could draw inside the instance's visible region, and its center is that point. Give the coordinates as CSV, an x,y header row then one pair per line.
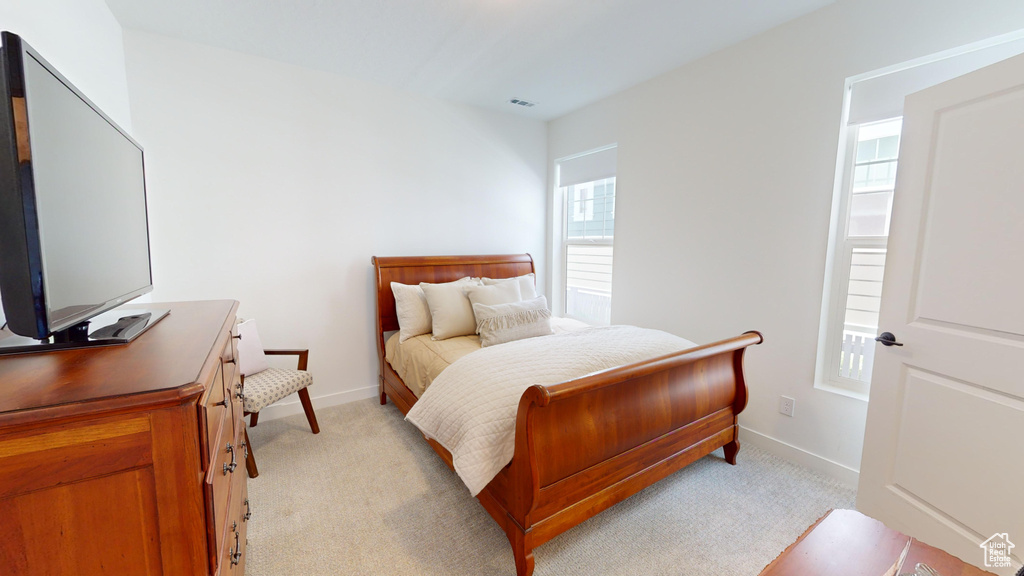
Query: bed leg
x,y
383,394
731,449
522,553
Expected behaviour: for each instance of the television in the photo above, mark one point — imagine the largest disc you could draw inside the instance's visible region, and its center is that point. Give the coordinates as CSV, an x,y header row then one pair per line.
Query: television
x,y
74,232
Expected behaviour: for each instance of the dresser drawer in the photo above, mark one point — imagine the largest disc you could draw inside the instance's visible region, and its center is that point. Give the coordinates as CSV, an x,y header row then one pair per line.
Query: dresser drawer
x,y
235,394
227,463
232,388
233,556
212,415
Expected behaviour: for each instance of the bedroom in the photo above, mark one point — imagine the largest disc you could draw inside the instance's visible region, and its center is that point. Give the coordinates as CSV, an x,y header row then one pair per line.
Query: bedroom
x,y
302,175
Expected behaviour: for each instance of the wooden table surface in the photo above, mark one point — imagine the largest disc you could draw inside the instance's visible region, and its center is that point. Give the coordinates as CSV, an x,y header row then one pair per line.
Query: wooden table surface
x,y
848,543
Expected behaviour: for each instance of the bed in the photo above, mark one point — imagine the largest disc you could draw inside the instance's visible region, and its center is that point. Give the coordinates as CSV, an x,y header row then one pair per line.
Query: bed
x,y
583,445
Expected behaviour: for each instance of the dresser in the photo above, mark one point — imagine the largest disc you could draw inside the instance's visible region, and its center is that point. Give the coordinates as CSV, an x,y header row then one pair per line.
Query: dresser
x,y
127,459
848,543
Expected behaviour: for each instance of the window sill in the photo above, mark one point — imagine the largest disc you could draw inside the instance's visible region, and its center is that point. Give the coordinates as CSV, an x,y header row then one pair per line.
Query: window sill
x,y
841,390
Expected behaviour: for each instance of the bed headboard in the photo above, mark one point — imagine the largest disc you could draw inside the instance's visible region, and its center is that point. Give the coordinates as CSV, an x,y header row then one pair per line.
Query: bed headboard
x,y
436,269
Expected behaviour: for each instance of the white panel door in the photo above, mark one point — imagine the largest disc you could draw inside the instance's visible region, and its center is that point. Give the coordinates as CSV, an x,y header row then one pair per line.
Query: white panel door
x,y
944,449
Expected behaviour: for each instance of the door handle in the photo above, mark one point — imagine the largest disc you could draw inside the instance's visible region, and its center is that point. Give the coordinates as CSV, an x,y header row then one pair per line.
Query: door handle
x,y
888,339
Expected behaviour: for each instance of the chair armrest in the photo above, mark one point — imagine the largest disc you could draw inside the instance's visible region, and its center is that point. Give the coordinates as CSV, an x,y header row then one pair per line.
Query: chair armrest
x,y
302,354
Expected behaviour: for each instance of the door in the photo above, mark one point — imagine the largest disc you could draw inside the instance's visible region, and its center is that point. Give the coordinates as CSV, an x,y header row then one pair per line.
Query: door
x,y
943,453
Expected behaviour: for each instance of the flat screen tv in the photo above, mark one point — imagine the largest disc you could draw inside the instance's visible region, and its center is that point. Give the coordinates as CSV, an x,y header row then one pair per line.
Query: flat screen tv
x,y
74,234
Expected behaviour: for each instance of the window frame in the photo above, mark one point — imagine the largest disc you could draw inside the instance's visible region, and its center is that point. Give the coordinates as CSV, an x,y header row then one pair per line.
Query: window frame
x,y
560,229
839,262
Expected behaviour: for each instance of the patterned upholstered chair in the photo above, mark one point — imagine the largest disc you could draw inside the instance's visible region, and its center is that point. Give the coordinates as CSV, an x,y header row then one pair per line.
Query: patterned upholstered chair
x,y
265,387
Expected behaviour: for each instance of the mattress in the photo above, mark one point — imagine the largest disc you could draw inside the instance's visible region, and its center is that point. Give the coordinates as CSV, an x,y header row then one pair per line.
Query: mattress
x,y
419,360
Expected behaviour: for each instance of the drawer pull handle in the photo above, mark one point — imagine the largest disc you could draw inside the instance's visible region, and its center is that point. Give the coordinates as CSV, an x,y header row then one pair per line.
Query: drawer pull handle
x,y
238,336
245,456
235,553
248,511
231,467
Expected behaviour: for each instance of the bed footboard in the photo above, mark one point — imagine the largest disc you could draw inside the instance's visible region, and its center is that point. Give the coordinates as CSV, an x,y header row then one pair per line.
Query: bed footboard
x,y
585,445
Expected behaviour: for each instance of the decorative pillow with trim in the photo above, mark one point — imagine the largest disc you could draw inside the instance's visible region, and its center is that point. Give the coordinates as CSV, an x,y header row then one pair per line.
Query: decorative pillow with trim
x,y
516,321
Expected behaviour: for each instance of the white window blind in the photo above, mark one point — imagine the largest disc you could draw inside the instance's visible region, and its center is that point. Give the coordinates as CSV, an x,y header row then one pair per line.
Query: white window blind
x,y
587,168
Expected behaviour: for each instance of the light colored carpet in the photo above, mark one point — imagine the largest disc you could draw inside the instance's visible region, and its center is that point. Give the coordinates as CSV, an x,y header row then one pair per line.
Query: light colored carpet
x,y
368,496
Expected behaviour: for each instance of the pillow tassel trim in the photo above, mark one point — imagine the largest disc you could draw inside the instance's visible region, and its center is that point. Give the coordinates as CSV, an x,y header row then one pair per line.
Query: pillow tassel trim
x,y
513,320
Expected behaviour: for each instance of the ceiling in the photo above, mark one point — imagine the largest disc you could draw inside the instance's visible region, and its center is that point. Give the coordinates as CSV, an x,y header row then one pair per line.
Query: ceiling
x,y
560,54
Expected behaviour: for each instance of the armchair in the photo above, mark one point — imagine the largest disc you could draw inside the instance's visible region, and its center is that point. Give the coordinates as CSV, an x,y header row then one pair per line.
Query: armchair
x,y
265,387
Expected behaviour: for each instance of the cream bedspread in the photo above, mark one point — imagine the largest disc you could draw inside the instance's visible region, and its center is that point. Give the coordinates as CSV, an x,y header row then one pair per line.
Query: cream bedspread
x,y
470,408
419,360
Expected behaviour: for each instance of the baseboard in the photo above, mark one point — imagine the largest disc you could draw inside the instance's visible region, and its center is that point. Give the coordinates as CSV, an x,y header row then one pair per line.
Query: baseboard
x,y
843,474
293,406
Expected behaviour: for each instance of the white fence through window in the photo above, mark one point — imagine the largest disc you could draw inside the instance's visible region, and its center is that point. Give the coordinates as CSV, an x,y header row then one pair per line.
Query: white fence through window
x,y
860,322
588,282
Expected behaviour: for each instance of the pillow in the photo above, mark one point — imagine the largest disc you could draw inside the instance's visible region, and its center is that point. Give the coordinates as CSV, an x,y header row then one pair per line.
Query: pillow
x,y
508,322
412,310
451,313
251,358
501,293
527,284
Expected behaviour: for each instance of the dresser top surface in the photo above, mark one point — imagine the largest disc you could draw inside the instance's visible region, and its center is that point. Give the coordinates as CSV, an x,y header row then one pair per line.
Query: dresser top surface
x,y
171,355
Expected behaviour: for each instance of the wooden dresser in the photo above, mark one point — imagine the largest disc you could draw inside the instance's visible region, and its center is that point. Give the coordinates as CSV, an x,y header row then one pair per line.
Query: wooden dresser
x,y
127,459
848,543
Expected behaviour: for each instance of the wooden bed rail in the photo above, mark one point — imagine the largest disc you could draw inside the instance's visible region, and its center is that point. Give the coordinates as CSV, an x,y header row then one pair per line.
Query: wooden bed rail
x,y
543,394
584,445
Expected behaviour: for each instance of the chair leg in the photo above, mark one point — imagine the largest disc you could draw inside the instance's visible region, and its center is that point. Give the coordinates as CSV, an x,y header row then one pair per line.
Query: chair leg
x,y
307,407
250,458
252,419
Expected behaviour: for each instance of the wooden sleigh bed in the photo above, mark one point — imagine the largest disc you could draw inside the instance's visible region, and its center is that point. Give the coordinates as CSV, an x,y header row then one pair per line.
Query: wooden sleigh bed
x,y
584,445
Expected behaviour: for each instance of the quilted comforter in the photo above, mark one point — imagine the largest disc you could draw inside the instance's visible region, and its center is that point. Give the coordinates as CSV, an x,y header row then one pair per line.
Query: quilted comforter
x,y
470,408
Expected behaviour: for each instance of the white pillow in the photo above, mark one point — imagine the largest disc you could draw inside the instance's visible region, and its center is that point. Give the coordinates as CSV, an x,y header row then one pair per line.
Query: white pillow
x,y
527,284
451,313
501,293
251,358
412,310
508,322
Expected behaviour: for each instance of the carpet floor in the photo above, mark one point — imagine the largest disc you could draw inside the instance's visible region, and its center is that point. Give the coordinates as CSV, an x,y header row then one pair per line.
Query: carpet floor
x,y
368,496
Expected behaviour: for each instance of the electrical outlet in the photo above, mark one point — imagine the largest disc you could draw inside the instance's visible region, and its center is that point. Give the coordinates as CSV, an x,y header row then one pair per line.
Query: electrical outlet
x,y
786,405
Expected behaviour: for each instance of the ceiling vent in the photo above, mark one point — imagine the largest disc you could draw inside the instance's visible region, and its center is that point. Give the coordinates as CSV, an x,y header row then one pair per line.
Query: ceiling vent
x,y
524,103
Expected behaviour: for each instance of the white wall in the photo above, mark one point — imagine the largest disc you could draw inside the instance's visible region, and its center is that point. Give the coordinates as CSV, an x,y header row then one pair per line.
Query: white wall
x,y
725,179
81,39
274,185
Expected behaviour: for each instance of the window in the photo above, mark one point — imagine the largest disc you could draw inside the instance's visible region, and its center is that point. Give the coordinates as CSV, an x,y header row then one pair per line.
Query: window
x,y
865,212
586,186
863,197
